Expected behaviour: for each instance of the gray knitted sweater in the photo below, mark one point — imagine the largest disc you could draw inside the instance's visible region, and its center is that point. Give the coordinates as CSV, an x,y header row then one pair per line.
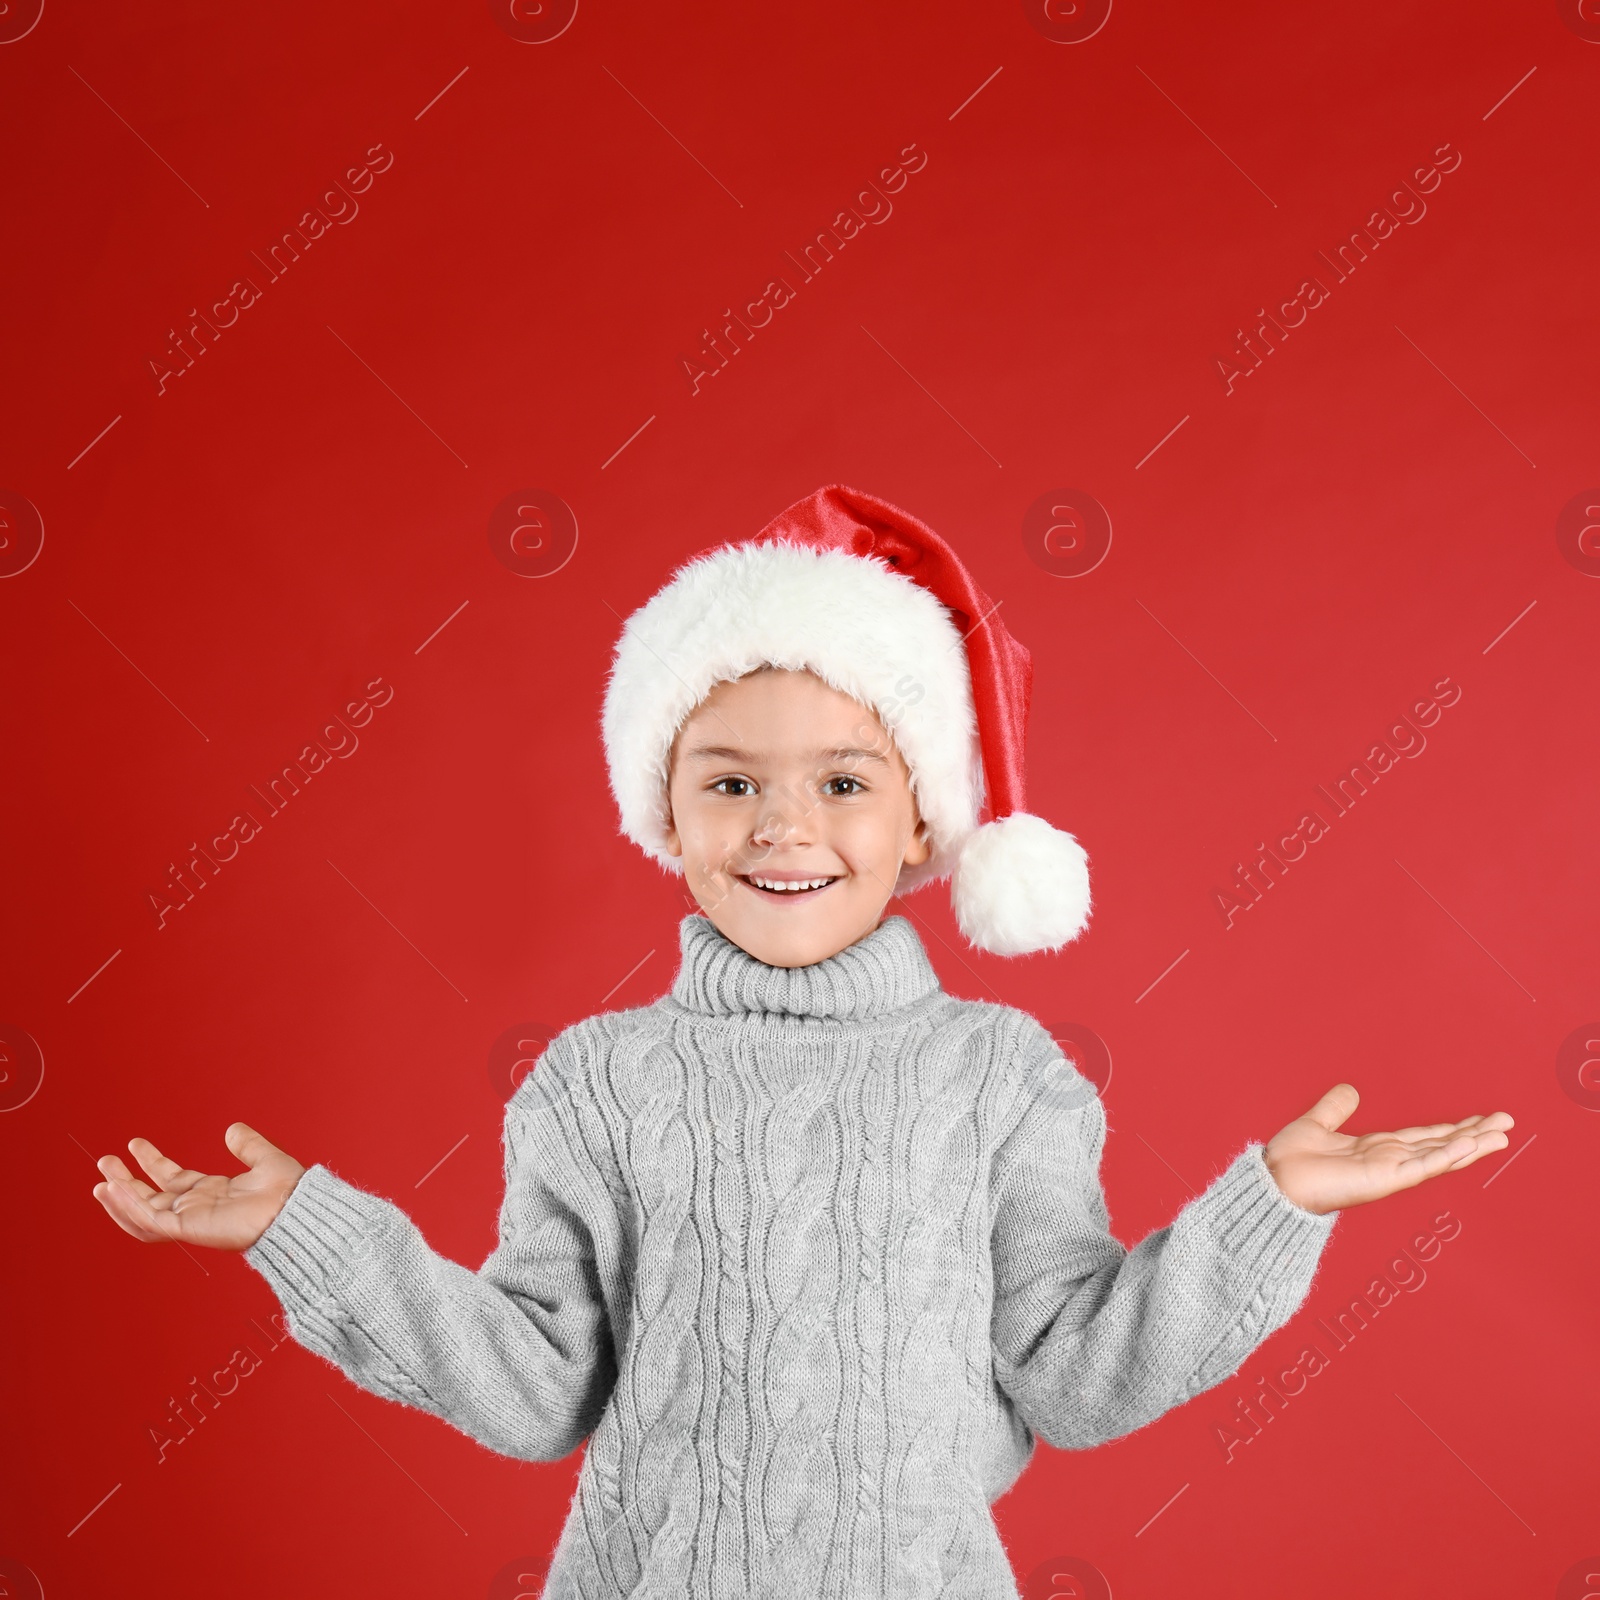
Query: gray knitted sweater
x,y
813,1254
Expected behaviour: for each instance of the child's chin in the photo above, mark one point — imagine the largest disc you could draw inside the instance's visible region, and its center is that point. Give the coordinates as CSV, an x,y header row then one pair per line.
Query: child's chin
x,y
794,936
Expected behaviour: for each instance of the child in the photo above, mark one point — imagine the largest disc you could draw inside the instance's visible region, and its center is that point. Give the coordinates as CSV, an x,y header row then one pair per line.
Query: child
x,y
813,1250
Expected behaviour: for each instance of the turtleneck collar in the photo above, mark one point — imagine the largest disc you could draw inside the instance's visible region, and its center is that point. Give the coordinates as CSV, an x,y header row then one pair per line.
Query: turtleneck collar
x,y
883,972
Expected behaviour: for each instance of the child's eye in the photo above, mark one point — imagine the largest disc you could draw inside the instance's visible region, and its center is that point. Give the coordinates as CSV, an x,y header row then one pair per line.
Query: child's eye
x,y
857,786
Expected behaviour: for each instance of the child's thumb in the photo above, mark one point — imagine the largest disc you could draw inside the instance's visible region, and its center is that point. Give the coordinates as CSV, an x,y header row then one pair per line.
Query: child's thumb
x,y
249,1146
1335,1107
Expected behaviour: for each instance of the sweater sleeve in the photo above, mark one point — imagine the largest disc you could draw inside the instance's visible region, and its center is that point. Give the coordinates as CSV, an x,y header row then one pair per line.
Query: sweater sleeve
x,y
1093,1340
517,1355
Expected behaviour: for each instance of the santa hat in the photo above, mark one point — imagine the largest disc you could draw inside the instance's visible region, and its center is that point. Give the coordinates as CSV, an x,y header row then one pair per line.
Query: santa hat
x,y
878,606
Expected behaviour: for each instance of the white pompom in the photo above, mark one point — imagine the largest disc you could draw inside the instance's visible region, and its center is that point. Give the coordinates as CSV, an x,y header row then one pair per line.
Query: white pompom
x,y
1021,885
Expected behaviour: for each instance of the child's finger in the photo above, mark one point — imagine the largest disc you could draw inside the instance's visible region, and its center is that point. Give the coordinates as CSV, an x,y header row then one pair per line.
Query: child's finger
x,y
1486,1144
102,1193
1451,1133
1435,1157
1430,1130
1425,1145
250,1147
131,1213
1448,1155
166,1172
116,1167
1480,1122
1335,1107
1494,1122
1434,1130
146,1203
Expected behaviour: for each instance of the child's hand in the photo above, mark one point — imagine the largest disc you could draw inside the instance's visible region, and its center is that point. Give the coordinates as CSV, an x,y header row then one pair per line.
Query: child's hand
x,y
225,1213
1326,1171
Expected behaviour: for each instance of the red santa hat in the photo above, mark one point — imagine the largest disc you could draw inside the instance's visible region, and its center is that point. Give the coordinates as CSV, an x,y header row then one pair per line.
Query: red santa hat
x,y
877,605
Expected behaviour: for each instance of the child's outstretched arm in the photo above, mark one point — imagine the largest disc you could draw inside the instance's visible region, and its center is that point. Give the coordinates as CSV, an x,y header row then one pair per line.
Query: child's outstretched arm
x,y
1093,1340
517,1355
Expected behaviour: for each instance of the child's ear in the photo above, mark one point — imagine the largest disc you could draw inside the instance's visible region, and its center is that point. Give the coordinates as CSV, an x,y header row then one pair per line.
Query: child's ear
x,y
673,844
920,847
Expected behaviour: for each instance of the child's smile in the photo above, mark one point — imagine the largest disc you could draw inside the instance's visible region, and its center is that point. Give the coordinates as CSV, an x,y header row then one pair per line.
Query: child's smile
x,y
787,886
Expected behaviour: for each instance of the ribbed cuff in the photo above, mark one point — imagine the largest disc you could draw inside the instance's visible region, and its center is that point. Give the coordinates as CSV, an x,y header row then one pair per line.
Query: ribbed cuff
x,y
1257,1224
323,1229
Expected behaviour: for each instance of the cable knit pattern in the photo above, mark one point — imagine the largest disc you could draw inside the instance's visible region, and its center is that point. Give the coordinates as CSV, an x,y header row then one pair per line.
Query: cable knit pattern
x,y
811,1257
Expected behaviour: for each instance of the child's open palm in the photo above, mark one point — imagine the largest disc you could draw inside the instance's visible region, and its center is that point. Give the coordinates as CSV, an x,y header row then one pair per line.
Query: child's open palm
x,y
196,1207
1322,1170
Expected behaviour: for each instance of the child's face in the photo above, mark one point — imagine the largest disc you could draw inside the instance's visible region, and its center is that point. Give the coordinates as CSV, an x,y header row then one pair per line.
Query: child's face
x,y
777,774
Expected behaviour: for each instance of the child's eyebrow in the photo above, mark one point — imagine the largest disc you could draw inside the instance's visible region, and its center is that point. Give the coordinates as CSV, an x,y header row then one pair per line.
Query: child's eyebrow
x,y
723,752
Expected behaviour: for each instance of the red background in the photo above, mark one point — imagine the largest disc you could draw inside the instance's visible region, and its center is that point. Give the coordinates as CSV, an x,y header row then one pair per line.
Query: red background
x,y
1372,511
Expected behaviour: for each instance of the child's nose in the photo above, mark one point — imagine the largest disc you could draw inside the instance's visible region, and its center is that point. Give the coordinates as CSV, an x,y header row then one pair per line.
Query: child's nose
x,y
783,821
773,829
